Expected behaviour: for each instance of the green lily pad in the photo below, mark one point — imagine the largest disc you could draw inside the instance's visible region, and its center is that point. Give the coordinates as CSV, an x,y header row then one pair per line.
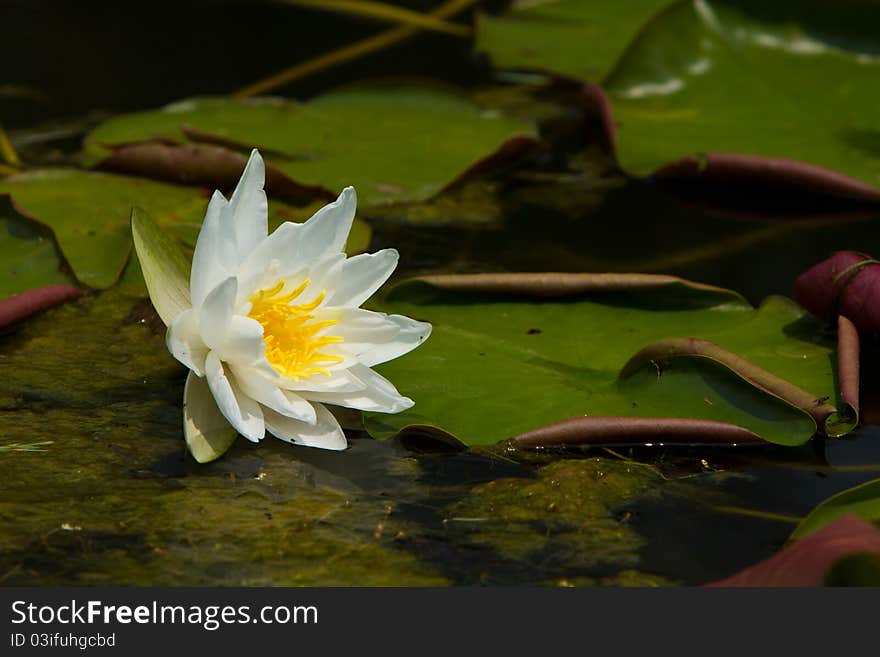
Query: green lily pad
x,y
497,366
571,37
785,80
90,212
391,143
862,500
28,253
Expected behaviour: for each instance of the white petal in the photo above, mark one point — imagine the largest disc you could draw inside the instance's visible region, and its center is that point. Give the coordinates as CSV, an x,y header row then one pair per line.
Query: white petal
x,y
248,207
327,230
215,313
361,276
338,381
208,434
380,394
241,411
243,346
412,334
325,433
215,257
361,330
266,392
185,343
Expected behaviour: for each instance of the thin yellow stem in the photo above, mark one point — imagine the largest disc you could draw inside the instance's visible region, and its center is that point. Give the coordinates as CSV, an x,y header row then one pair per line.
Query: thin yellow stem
x,y
346,53
755,513
7,152
384,12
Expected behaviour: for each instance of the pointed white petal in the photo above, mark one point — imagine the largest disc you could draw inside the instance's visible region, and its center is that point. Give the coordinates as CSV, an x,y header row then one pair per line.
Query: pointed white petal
x,y
361,276
361,330
325,433
412,334
380,395
208,434
327,230
215,257
241,411
338,381
265,391
185,342
248,207
215,313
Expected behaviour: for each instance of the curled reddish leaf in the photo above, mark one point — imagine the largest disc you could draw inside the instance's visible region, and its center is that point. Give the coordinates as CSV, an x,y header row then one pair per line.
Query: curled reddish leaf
x,y
806,562
21,306
847,283
637,431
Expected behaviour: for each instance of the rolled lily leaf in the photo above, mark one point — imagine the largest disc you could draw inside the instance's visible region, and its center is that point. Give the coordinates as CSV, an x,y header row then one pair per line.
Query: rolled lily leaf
x,y
806,562
21,306
847,283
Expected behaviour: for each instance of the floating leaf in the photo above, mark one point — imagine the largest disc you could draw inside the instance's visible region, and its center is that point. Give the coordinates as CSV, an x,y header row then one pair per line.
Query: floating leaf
x,y
863,501
28,253
391,143
498,365
768,80
90,212
571,37
806,562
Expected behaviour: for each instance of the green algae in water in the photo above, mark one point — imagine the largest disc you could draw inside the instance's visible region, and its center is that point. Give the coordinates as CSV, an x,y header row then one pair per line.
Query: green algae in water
x,y
114,499
564,520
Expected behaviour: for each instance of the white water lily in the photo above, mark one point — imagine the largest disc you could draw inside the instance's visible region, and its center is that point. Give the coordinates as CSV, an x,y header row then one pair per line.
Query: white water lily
x,y
275,330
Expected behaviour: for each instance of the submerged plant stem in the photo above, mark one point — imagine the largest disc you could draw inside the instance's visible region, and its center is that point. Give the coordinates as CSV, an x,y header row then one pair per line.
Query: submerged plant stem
x,y
346,53
384,12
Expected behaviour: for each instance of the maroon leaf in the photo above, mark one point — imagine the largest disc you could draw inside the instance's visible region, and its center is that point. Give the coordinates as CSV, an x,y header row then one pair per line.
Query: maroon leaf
x,y
609,431
847,283
805,562
21,306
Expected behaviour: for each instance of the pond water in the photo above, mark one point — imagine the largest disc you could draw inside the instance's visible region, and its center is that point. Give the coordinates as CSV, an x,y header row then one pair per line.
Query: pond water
x,y
112,497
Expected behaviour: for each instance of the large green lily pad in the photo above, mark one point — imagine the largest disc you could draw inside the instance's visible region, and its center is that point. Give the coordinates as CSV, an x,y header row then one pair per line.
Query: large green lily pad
x,y
90,213
391,143
497,366
571,37
28,253
788,80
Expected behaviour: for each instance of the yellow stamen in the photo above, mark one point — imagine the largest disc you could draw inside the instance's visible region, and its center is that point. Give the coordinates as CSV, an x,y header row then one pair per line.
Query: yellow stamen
x,y
292,344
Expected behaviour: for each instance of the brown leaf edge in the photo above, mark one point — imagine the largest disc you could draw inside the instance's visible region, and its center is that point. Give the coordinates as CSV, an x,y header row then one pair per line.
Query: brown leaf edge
x,y
806,562
562,284
734,168
631,431
829,420
216,162
848,355
206,165
19,307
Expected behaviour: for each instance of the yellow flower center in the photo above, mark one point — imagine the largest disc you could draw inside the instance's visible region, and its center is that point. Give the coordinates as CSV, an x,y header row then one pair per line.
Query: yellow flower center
x,y
293,347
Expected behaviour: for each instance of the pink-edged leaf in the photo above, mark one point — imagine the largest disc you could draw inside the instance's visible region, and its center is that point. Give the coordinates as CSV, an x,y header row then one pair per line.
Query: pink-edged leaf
x,y
806,561
30,302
